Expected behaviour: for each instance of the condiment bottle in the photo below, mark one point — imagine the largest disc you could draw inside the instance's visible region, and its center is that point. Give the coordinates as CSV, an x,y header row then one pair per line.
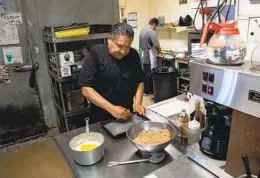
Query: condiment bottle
x,y
184,123
198,115
194,131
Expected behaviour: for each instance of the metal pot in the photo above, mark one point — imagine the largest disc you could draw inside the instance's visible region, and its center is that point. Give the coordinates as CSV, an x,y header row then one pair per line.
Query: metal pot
x,y
87,157
135,130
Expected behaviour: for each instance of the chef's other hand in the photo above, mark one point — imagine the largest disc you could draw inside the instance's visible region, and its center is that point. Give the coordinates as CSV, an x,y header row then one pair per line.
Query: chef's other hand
x,y
140,109
120,112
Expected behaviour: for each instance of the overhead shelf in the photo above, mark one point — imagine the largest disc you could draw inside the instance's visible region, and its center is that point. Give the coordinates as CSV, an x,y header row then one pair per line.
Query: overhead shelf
x,y
50,39
177,29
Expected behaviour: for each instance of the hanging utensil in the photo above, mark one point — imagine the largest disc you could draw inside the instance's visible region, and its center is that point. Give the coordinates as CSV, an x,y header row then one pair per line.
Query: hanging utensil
x,y
87,124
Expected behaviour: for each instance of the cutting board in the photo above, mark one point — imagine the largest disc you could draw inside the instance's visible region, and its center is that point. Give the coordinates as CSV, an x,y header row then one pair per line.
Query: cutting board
x,y
118,128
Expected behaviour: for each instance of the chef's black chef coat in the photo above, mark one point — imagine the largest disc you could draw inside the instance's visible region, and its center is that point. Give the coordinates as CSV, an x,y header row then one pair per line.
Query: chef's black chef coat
x,y
115,80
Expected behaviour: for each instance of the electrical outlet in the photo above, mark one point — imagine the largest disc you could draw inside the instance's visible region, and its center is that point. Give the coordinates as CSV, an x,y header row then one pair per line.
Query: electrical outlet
x,y
253,34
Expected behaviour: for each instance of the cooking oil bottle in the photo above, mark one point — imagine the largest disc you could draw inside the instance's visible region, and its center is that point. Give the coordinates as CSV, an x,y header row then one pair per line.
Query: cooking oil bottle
x,y
184,124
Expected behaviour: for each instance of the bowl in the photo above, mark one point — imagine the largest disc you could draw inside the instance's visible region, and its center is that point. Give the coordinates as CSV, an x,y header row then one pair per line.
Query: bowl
x,y
87,157
135,130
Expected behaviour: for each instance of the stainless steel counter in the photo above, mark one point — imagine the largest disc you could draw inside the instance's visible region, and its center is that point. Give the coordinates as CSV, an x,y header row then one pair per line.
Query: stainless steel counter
x,y
115,150
176,163
183,167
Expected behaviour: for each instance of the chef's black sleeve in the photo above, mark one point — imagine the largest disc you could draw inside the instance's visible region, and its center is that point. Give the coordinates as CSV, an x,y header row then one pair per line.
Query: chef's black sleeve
x,y
139,69
88,73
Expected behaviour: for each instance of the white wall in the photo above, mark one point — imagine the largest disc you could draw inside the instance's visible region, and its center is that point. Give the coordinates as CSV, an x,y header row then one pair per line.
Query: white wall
x,y
246,10
146,9
142,7
172,10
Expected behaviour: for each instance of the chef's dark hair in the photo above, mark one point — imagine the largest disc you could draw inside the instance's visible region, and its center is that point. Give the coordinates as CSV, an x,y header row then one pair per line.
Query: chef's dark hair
x,y
122,29
154,21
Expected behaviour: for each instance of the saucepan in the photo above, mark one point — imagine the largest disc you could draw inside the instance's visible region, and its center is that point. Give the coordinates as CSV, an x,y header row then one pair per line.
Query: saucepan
x,y
87,148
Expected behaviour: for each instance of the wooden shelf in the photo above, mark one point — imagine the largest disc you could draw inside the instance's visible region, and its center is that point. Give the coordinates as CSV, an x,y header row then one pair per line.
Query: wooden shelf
x,y
177,29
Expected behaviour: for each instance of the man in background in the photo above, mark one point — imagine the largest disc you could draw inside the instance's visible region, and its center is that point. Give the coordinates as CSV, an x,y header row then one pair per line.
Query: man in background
x,y
149,47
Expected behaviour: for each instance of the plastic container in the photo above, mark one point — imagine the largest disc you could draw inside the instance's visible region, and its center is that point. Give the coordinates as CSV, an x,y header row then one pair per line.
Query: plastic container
x,y
164,82
194,132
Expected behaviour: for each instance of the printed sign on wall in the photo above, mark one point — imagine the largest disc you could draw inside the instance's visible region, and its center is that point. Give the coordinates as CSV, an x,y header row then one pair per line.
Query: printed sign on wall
x,y
132,19
13,55
8,34
12,18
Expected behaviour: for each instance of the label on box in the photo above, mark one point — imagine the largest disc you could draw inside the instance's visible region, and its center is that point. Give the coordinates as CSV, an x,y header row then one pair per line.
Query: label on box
x,y
66,58
254,96
65,71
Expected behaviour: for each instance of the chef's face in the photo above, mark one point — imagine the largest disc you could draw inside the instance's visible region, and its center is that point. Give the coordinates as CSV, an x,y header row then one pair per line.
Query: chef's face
x,y
119,46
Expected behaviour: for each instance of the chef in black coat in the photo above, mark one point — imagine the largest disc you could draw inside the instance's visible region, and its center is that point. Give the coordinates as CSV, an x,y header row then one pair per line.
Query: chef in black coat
x,y
112,77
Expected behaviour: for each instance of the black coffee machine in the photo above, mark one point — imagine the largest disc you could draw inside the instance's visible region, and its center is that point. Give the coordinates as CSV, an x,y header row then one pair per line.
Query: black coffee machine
x,y
214,139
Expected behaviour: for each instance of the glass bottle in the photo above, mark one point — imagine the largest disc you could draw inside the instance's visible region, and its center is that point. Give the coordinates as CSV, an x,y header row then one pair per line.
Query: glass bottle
x,y
198,115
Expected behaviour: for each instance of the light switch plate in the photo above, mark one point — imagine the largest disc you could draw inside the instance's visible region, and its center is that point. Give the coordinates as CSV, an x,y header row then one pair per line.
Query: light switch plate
x,y
253,34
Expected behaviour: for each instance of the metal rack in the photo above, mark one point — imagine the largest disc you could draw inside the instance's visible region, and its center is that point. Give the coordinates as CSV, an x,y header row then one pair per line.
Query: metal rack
x,y
182,64
59,83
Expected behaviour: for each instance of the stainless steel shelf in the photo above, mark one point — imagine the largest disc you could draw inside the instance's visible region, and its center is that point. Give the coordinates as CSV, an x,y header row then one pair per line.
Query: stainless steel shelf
x,y
183,92
76,38
64,79
184,78
72,113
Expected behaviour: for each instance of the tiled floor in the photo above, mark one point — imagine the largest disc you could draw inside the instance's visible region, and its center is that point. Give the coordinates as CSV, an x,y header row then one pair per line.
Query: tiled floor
x,y
40,160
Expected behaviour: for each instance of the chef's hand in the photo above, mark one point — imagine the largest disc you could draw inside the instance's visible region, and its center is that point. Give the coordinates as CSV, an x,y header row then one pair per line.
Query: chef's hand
x,y
120,112
140,109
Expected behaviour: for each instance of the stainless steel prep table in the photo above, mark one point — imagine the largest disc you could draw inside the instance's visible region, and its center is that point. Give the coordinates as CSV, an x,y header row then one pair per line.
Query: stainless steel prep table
x,y
115,150
122,149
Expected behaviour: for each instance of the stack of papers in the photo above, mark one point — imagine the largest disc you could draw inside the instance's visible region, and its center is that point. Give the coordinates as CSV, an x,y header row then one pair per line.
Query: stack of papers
x,y
199,52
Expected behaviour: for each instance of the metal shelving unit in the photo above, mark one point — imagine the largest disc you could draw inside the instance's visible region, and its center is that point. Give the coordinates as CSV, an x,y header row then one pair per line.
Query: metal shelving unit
x,y
64,79
59,83
181,92
182,64
50,39
184,78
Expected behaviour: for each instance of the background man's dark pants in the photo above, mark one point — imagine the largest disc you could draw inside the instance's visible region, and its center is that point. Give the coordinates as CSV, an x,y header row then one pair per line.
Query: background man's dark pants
x,y
148,80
